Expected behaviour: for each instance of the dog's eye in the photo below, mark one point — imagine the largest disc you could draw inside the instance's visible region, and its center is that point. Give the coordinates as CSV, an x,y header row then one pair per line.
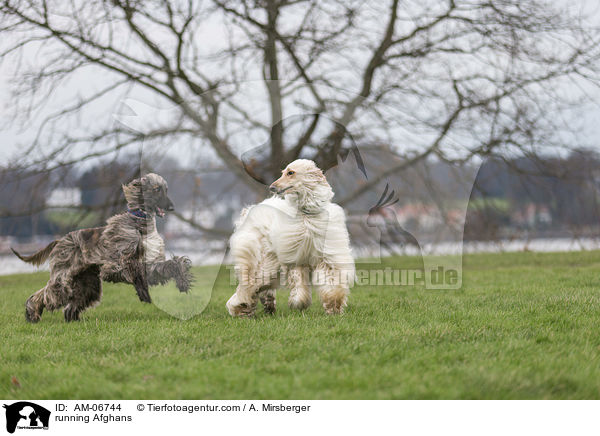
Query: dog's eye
x,y
290,173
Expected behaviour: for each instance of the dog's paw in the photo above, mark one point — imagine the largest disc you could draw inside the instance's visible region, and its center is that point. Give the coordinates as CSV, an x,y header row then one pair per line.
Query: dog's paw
x,y
240,309
184,280
334,307
184,285
144,296
269,303
31,316
141,288
296,302
269,309
244,310
181,273
71,313
186,261
33,312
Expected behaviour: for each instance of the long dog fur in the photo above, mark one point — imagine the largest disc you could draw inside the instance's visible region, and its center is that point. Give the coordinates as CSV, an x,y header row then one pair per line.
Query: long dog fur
x,y
128,249
298,234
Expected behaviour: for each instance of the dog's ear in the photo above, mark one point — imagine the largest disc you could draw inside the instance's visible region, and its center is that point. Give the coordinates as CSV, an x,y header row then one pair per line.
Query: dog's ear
x,y
319,176
134,184
132,190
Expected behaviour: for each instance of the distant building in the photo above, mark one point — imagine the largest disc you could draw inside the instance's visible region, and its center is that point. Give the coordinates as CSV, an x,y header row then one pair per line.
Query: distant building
x,y
419,216
532,215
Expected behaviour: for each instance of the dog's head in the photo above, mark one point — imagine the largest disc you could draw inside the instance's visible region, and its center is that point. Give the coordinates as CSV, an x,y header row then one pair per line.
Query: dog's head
x,y
304,182
148,193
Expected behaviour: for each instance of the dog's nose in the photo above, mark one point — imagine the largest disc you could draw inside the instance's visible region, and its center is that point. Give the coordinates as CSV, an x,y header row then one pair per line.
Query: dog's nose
x,y
272,188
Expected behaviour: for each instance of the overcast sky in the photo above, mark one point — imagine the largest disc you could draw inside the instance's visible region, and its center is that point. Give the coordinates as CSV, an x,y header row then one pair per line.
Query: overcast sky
x,y
13,136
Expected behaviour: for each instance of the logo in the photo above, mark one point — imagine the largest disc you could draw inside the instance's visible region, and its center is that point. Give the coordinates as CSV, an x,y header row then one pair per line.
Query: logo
x,y
26,415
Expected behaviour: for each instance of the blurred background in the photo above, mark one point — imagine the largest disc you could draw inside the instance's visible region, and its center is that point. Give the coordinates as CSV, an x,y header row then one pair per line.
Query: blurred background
x,y
435,121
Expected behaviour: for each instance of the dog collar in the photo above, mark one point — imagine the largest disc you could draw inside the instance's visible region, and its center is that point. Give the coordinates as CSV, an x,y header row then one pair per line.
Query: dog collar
x,y
138,213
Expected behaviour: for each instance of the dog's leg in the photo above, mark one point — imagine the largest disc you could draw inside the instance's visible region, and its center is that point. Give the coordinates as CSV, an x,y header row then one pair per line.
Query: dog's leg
x,y
140,282
184,277
132,272
243,302
71,312
86,292
50,297
252,280
333,288
300,294
177,268
268,299
34,306
114,273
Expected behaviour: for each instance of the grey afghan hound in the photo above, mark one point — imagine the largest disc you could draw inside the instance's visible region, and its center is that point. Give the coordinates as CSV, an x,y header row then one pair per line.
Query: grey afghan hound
x,y
128,249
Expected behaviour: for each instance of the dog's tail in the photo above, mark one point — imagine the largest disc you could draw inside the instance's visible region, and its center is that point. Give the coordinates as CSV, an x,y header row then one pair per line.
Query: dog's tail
x,y
37,258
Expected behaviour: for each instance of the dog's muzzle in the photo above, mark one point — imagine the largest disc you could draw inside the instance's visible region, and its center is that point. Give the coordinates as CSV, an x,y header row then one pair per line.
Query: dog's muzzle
x,y
168,207
278,191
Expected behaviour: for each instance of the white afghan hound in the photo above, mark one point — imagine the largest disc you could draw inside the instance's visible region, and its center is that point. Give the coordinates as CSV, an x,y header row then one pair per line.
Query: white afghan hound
x,y
299,235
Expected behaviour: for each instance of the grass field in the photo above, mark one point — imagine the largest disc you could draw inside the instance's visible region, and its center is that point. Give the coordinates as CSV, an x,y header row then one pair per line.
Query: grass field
x,y
524,325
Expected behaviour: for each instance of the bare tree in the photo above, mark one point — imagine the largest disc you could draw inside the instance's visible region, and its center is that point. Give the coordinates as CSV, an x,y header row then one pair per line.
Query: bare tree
x,y
447,79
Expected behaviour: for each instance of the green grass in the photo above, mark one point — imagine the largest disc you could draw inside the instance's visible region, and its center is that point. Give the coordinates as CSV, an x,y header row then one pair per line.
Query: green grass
x,y
524,325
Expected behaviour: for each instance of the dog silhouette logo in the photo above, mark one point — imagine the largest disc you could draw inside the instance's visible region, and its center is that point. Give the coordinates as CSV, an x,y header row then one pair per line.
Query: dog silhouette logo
x,y
26,415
